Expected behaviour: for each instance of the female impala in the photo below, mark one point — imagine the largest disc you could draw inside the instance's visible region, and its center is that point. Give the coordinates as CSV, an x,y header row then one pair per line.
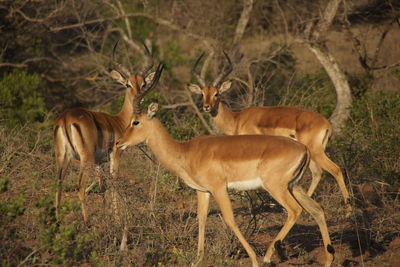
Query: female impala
x,y
305,126
212,164
89,136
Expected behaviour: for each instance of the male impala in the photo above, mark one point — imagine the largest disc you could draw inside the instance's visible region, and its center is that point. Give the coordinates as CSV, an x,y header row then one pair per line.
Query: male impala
x,y
305,126
212,164
89,136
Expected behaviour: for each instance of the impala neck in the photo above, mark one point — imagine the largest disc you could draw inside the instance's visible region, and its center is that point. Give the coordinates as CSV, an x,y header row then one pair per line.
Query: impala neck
x,y
226,119
127,108
168,151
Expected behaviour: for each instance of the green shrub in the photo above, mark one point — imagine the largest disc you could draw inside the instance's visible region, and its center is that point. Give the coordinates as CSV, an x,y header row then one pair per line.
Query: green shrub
x,y
370,142
66,242
20,99
10,211
173,54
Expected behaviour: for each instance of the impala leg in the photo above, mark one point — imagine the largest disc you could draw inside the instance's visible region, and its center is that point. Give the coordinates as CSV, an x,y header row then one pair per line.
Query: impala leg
x,y
223,201
328,165
317,213
62,164
61,172
100,178
285,198
83,178
124,240
203,199
115,158
316,173
113,201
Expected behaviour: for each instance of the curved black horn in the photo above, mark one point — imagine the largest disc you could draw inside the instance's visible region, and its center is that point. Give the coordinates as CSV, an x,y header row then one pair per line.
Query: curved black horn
x,y
225,73
148,60
147,88
198,77
120,68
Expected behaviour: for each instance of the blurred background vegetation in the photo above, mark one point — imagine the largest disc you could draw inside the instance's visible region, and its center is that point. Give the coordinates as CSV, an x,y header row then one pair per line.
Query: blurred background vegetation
x,y
55,55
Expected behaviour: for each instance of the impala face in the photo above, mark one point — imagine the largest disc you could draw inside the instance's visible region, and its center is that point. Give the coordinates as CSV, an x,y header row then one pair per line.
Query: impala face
x,y
130,136
139,129
211,95
210,98
134,82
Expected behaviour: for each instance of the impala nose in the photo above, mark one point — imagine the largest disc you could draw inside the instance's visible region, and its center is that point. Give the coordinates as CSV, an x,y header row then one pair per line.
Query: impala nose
x,y
118,144
207,108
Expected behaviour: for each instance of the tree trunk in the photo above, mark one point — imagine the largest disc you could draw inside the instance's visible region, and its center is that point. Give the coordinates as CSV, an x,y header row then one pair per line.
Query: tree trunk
x,y
339,80
315,40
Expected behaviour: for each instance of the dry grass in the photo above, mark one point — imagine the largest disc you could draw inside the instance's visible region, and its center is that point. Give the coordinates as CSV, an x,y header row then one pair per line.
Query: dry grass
x,y
161,215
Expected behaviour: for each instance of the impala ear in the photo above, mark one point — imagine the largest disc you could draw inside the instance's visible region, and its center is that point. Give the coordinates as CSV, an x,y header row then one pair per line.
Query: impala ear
x,y
117,76
151,110
225,87
194,88
149,78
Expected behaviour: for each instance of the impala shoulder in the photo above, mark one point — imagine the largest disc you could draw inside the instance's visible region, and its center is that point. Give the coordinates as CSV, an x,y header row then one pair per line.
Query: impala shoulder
x,y
254,109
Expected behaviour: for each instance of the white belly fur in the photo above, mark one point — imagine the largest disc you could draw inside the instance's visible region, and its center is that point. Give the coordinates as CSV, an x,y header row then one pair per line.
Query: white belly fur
x,y
246,185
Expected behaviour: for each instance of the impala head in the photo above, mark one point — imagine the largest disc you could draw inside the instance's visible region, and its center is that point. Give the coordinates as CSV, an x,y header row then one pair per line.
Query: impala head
x,y
139,128
137,84
211,92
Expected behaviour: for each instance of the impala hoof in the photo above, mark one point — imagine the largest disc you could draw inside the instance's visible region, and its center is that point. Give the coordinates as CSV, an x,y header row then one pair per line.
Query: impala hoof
x,y
281,251
268,264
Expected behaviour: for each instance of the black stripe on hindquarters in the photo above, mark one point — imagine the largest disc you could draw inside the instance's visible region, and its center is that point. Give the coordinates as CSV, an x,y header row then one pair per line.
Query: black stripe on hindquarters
x,y
298,173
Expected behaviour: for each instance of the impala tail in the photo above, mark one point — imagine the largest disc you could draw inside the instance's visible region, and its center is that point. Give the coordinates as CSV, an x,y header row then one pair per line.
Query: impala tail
x,y
299,172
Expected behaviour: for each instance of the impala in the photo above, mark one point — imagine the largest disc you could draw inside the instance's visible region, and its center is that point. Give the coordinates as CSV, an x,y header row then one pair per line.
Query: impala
x,y
212,164
305,126
89,136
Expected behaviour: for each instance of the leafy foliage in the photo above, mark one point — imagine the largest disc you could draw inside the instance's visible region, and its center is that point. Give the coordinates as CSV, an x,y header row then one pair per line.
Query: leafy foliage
x,y
65,241
370,141
20,99
10,210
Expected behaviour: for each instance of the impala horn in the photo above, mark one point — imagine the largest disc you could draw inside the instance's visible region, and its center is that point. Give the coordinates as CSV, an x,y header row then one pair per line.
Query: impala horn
x,y
146,88
198,77
225,73
148,60
121,69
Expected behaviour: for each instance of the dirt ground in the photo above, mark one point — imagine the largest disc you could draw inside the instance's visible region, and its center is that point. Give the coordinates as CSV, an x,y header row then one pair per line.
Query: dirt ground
x,y
162,225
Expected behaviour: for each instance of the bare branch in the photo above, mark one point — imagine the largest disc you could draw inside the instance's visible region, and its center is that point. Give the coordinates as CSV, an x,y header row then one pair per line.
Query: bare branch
x,y
27,18
362,57
362,51
381,39
24,63
386,66
127,23
86,77
36,20
285,23
176,105
242,23
206,40
326,19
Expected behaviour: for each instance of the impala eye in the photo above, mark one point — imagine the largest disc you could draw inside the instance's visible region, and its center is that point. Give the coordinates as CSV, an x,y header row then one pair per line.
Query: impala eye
x,y
135,123
216,94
